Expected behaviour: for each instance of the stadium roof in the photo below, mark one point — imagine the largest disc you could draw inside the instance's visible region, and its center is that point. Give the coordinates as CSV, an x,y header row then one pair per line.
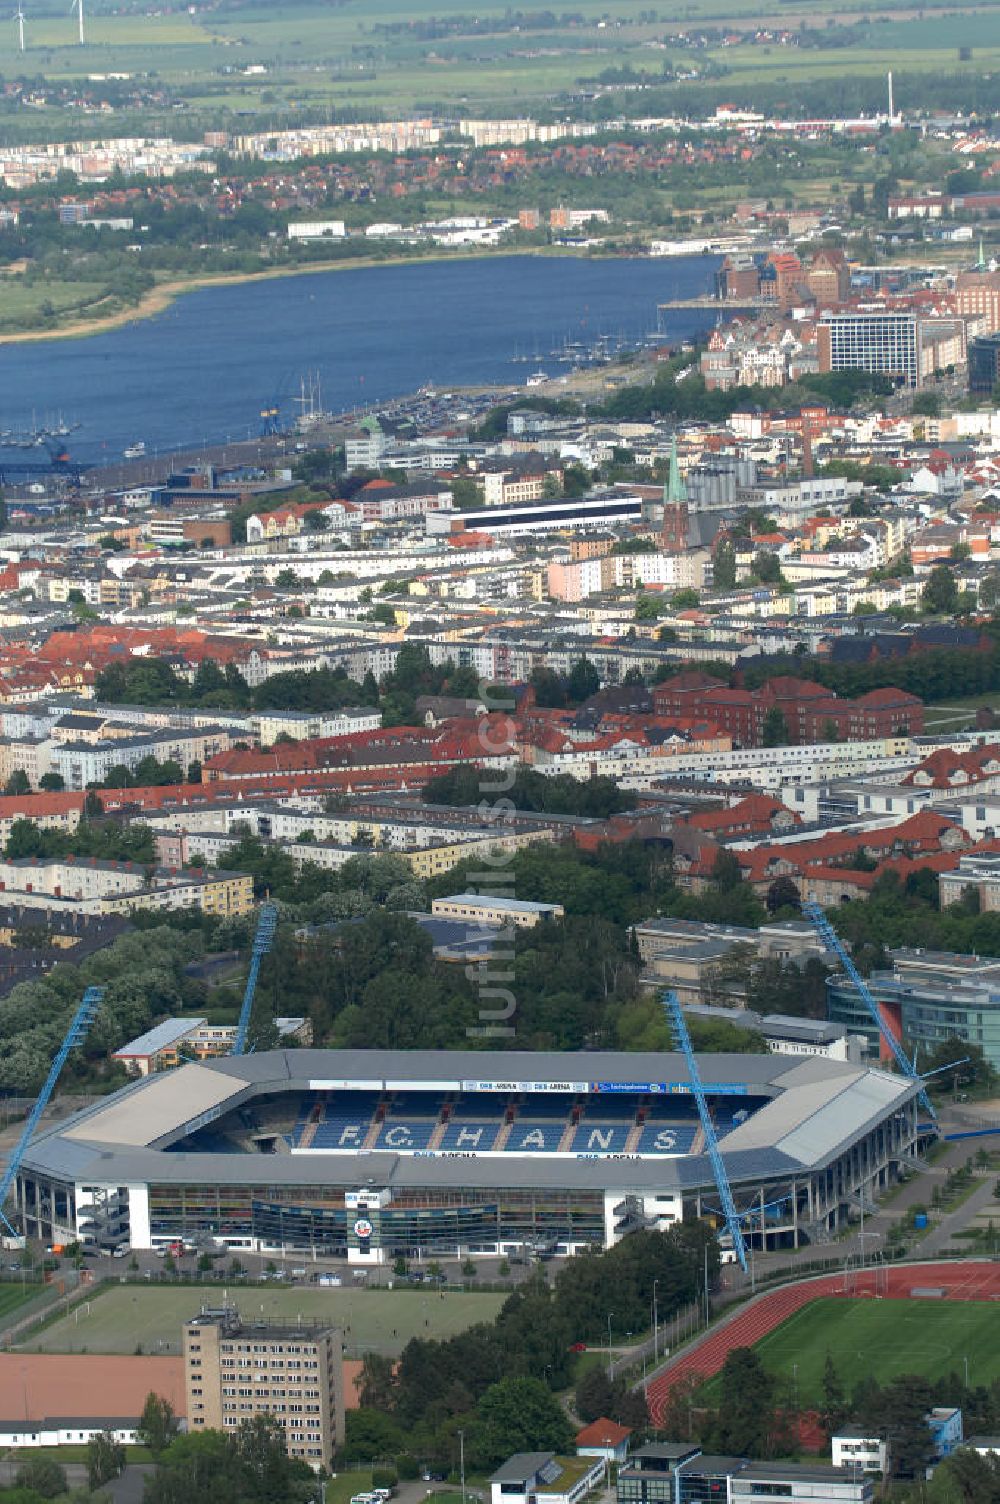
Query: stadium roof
x,y
812,1111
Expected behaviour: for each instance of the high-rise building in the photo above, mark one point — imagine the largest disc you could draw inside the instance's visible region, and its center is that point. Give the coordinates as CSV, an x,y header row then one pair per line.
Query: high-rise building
x,y
887,344
977,296
234,1371
984,362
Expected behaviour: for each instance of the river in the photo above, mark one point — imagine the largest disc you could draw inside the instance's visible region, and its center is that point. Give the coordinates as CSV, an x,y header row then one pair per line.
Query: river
x,y
202,370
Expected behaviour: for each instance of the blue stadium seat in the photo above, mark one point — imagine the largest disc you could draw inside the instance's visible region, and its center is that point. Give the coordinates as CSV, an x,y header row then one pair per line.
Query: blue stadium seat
x,y
601,1138
341,1131
670,1108
403,1134
415,1104
667,1138
479,1105
609,1108
544,1106
535,1138
474,1137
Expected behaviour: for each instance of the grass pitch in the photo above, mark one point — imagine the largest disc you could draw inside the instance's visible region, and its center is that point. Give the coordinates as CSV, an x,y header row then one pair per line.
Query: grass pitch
x,y
881,1339
128,1318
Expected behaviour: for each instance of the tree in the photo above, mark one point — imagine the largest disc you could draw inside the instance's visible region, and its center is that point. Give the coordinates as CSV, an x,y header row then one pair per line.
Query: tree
x,y
966,1477
93,805
685,600
42,1475
18,783
157,1424
520,1415
52,783
105,1459
782,894
267,1470
900,1416
550,692
583,681
774,732
726,870
767,568
594,1396
724,567
940,595
834,1410
746,1412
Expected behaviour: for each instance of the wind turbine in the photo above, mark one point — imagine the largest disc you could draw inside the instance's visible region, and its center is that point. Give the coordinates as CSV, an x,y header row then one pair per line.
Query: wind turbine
x,y
19,18
78,7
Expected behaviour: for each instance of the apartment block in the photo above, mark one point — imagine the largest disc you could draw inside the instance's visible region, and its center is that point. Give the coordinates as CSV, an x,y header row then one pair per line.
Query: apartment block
x,y
235,1371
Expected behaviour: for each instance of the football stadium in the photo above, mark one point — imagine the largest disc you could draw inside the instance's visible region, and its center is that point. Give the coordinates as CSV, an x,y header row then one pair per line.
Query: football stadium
x,y
369,1154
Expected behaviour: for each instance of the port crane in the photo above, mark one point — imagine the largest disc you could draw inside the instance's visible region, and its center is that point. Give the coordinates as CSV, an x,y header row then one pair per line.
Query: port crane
x,y
679,1028
267,923
832,941
75,1035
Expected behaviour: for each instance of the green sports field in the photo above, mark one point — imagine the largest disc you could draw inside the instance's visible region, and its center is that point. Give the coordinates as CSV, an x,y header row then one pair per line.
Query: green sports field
x,y
882,1338
380,1320
14,1295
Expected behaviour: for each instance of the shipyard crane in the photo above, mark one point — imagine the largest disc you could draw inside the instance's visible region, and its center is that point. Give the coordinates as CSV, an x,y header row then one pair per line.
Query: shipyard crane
x,y
75,1035
832,941
262,942
678,1025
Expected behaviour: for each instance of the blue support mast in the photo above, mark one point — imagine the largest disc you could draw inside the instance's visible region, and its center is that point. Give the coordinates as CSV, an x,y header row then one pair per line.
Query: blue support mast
x,y
833,942
262,942
75,1035
678,1024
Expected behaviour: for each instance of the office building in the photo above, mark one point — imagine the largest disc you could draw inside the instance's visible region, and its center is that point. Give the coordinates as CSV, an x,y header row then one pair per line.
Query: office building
x,y
984,362
234,1371
887,344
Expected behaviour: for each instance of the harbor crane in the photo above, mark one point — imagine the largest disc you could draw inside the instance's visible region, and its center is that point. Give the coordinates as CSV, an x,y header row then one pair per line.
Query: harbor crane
x,y
75,1035
832,941
267,923
679,1028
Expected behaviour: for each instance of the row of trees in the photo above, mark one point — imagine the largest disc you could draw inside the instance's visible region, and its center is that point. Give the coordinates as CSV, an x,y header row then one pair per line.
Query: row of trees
x,y
496,1381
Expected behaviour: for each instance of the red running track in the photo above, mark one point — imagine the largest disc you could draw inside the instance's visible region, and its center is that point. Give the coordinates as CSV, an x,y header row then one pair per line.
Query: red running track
x,y
964,1281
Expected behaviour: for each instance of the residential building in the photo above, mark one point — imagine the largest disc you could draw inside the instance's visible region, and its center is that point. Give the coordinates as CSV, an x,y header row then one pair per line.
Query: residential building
x,y
90,886
799,1483
859,1449
486,909
544,1478
977,872
233,1372
605,1439
176,1040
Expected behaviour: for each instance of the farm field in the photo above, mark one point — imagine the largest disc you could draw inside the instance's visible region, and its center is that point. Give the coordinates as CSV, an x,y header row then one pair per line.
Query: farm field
x,y
881,1339
128,1316
314,57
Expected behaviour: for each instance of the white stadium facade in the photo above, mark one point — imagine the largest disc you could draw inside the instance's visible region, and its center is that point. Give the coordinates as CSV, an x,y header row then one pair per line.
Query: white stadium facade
x,y
368,1154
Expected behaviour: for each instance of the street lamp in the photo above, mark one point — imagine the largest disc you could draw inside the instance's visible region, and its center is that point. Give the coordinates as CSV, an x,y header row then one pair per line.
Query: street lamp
x,y
610,1367
656,1350
461,1460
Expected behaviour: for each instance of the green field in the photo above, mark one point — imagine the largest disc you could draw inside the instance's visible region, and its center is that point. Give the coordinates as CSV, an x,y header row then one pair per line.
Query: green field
x,y
382,1320
881,1339
14,1295
362,58
957,714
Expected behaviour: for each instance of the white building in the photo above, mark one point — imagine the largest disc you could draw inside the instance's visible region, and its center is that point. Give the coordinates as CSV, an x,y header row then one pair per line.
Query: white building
x,y
853,1449
318,229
